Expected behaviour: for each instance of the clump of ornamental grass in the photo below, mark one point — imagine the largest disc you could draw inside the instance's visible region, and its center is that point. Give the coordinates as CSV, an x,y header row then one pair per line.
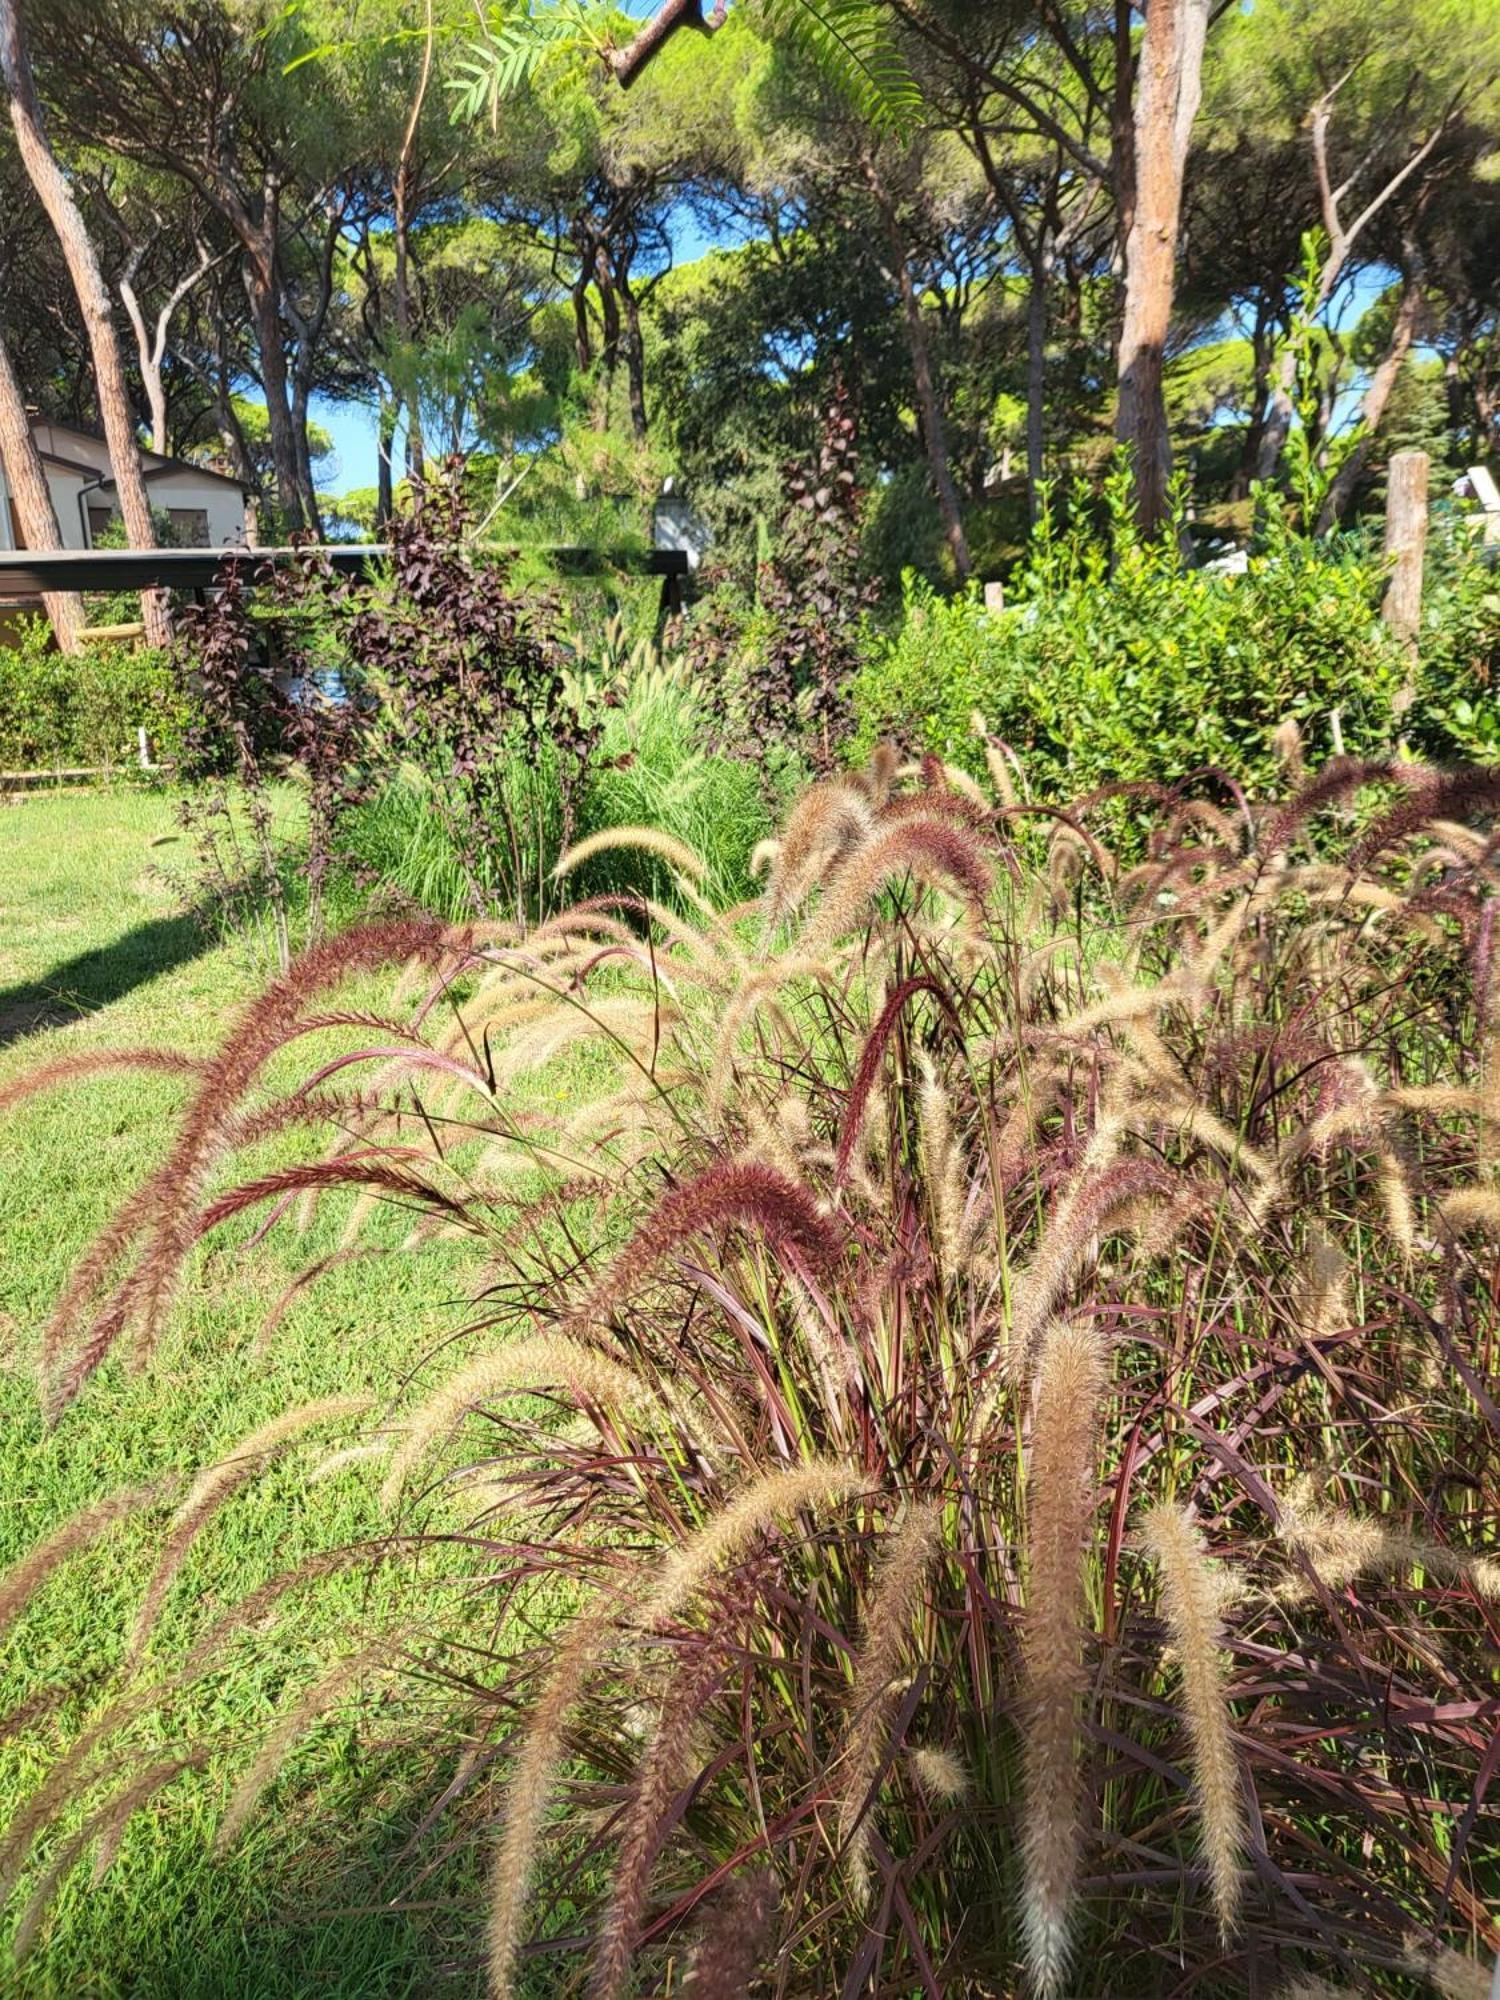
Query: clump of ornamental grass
x,y
975,1440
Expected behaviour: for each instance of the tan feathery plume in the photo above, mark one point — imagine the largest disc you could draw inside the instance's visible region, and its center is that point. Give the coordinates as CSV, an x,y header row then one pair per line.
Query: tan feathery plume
x,y
537,1363
1070,1385
894,1602
825,825
1325,1285
214,1485
818,1483
649,839
934,851
26,1576
283,1738
939,1772
68,1777
1342,1547
1310,1987
1470,1208
1192,1596
942,1164
1455,1976
749,996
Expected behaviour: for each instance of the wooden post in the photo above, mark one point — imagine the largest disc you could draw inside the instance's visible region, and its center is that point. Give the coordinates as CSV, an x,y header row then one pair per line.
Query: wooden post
x,y
1405,544
994,598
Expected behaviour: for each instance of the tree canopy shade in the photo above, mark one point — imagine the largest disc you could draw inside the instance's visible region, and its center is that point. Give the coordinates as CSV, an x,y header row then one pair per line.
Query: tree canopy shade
x,y
1017,233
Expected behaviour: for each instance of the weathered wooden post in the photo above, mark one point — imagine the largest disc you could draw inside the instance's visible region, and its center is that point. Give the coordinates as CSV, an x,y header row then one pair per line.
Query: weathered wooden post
x,y
1405,542
1405,547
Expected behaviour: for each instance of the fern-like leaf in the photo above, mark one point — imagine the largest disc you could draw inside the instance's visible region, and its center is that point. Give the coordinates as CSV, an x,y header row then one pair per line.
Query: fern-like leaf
x,y
851,44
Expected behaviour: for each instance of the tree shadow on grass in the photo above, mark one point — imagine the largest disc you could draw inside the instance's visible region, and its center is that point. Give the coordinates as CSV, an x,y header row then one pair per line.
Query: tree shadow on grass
x,y
290,1916
107,972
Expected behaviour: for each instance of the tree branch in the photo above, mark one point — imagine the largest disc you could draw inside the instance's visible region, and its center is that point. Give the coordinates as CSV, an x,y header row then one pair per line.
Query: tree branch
x,y
627,63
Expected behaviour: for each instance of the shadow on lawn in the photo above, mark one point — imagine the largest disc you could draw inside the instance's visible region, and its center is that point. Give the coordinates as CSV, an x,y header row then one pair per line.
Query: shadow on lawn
x,y
94,978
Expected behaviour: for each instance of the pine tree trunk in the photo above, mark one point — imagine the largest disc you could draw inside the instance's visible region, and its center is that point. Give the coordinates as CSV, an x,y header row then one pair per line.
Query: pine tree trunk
x,y
929,409
1169,86
56,197
1036,378
260,284
1373,409
32,501
635,357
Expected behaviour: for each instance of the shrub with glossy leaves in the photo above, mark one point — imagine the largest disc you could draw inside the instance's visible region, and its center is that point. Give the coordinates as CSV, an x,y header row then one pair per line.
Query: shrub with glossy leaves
x,y
1112,662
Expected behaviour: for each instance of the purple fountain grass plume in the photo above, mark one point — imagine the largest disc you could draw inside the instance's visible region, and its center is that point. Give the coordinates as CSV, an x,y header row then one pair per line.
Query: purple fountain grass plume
x,y
216,1484
664,1766
162,1210
783,1212
734,1941
941,803
1193,1596
1338,780
1060,1486
24,1578
93,1062
364,1169
872,1057
933,850
1431,794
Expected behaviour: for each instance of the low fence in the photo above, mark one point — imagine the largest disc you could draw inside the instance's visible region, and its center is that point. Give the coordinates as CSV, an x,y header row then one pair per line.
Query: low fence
x,y
27,575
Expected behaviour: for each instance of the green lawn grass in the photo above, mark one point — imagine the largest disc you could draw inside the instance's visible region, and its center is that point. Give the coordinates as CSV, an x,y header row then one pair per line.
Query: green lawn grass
x,y
94,951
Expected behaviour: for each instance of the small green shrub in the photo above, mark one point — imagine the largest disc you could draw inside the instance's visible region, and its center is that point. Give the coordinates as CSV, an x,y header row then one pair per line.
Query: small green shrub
x,y
653,767
59,710
1111,662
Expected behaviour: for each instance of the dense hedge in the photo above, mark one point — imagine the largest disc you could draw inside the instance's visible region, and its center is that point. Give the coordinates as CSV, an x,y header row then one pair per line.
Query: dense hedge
x,y
83,709
1112,662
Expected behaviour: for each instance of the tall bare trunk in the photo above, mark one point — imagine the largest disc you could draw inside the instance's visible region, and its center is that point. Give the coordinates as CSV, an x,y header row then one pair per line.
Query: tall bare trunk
x,y
384,445
1169,86
929,409
56,197
1373,409
31,500
635,356
262,286
1036,377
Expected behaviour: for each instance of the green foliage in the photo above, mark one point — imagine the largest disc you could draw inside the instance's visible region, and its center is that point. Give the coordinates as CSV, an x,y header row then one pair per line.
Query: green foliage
x,y
1458,713
652,766
59,711
1112,663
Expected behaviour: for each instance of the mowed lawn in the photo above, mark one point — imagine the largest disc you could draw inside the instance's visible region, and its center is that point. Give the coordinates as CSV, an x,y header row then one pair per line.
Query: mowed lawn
x,y
94,950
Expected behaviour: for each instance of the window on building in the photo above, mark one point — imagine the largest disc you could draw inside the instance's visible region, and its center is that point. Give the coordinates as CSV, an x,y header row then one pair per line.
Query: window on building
x,y
189,526
99,520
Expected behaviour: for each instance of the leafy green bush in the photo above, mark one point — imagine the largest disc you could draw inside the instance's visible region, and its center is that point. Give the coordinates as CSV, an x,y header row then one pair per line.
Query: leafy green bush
x,y
1111,662
59,710
1457,712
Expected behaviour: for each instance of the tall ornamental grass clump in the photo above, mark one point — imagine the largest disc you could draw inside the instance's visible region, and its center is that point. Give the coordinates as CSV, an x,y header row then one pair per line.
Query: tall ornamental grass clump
x,y
976,1437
